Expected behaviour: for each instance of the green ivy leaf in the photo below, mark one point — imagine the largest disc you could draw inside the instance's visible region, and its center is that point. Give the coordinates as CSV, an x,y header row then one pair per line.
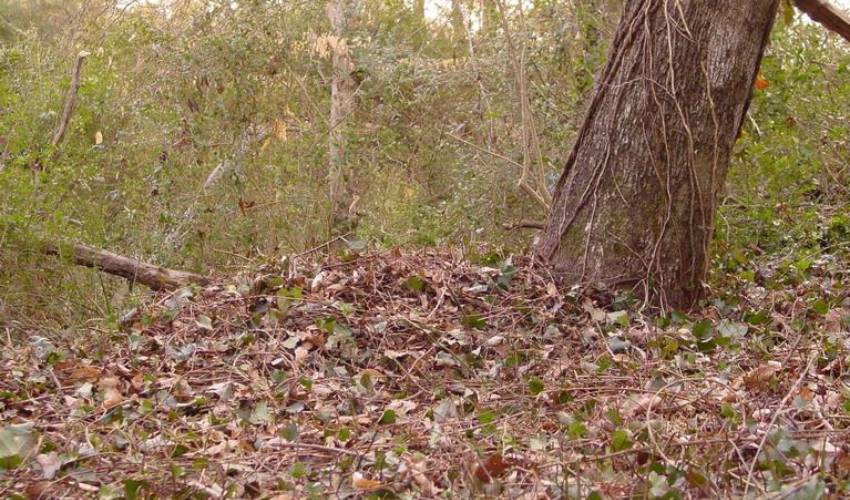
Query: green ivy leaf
x,y
703,329
388,417
620,440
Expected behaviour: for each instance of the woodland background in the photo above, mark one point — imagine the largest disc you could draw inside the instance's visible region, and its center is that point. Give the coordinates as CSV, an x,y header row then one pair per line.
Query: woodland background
x,y
420,353
200,135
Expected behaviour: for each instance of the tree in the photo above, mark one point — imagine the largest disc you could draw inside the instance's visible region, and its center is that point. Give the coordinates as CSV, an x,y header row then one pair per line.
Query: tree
x,y
634,207
419,10
342,106
459,40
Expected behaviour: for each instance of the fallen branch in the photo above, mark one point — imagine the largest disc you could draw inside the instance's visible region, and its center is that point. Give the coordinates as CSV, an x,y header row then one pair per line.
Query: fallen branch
x,y
526,224
70,99
152,276
828,15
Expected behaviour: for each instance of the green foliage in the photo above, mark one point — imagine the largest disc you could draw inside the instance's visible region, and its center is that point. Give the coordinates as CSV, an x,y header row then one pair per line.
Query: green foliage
x,y
199,140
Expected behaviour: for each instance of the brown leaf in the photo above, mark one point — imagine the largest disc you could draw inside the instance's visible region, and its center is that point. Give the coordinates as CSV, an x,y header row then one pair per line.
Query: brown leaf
x,y
363,483
493,467
111,397
83,373
758,378
841,465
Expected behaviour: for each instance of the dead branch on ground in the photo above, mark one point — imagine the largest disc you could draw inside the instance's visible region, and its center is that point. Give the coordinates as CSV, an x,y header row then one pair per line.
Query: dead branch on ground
x,y
153,276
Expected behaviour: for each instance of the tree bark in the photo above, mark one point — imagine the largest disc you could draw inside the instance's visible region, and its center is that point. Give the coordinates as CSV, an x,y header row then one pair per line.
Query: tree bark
x,y
489,16
459,40
152,276
342,106
634,207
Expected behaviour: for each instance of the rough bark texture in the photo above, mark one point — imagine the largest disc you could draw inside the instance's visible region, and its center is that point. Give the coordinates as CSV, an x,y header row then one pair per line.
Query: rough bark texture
x,y
342,106
152,276
634,207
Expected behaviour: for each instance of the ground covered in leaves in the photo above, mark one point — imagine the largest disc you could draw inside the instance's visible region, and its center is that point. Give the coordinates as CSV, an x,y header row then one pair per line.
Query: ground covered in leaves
x,y
434,374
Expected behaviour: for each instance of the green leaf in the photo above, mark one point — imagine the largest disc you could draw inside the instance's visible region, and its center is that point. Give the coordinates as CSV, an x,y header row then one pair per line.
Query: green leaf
x,y
756,318
703,329
486,417
576,429
287,297
132,488
415,284
387,418
179,450
620,318
298,470
707,345
679,317
620,440
290,432
535,386
327,325
473,321
820,306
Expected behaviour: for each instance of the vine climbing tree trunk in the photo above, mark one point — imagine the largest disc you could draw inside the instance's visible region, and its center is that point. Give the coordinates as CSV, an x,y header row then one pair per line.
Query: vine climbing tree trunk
x,y
634,207
340,180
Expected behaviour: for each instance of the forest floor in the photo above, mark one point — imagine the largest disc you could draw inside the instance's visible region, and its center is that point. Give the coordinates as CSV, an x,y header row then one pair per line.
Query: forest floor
x,y
424,375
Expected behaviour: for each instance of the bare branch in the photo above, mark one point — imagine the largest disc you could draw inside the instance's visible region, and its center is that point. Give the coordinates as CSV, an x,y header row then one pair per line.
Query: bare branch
x,y
828,15
70,99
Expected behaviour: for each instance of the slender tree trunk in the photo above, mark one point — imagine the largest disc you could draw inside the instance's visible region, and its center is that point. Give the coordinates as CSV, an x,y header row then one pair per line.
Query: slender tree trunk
x,y
489,13
635,204
342,106
419,10
459,41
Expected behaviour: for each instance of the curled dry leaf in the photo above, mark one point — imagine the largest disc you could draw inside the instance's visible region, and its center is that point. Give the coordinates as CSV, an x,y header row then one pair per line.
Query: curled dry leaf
x,y
362,483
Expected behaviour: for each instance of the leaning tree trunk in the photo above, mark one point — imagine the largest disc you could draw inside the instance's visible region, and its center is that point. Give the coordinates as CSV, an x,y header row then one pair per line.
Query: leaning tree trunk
x,y
634,207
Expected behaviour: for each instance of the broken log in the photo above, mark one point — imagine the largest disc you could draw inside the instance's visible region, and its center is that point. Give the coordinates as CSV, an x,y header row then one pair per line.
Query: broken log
x,y
153,276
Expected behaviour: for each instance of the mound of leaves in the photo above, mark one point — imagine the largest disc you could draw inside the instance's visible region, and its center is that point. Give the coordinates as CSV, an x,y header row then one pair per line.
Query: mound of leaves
x,y
426,374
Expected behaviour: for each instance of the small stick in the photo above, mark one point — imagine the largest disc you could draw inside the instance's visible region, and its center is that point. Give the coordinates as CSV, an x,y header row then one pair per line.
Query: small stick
x,y
70,99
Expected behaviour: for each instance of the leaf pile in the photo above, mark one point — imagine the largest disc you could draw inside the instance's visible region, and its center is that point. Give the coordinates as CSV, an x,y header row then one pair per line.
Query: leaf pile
x,y
423,375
